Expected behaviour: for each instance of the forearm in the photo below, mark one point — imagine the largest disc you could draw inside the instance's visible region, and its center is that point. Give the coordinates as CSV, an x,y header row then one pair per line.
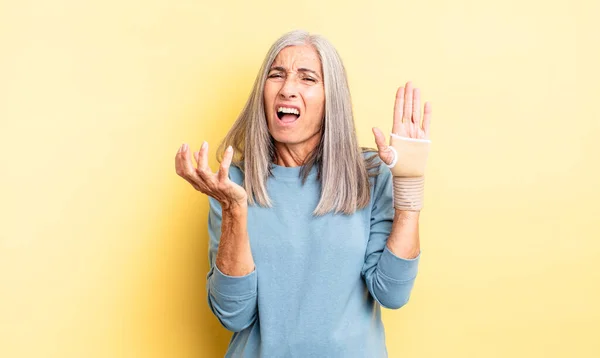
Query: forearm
x,y
404,237
391,279
234,257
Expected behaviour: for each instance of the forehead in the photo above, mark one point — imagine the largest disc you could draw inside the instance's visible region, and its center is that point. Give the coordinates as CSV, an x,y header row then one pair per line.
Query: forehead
x,y
300,56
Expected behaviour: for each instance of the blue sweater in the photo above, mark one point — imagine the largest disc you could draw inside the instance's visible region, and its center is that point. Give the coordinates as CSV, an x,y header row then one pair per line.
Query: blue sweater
x,y
319,282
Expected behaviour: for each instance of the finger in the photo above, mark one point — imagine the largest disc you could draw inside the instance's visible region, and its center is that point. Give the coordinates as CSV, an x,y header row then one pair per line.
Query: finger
x,y
203,157
427,119
379,139
398,109
182,167
224,169
416,115
177,160
188,167
408,103
197,158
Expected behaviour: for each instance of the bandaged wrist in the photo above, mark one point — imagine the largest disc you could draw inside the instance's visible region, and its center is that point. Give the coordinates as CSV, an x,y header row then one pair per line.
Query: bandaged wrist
x,y
408,169
409,193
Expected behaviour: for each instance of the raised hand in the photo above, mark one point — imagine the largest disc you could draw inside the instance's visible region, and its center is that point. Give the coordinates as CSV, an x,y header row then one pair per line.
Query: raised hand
x,y
407,120
217,185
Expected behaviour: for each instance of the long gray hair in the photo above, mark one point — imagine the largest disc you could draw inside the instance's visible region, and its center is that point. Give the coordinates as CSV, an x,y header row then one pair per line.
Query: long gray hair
x,y
341,168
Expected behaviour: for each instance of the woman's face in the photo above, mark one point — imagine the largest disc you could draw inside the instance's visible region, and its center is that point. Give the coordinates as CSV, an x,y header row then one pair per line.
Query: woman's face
x,y
295,97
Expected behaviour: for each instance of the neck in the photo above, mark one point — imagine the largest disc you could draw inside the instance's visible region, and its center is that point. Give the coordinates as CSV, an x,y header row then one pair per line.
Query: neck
x,y
294,155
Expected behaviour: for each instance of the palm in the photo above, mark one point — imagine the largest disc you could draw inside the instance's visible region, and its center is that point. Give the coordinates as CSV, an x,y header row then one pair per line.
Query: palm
x,y
407,120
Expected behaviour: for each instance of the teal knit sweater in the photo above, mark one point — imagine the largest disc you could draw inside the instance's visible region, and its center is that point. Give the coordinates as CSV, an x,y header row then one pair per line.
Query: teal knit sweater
x,y
319,282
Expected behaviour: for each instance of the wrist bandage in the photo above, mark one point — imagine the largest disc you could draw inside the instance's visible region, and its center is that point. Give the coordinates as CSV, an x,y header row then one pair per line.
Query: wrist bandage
x,y
408,169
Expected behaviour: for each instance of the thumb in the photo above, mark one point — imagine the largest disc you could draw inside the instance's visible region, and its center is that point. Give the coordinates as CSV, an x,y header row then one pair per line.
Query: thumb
x,y
379,139
385,152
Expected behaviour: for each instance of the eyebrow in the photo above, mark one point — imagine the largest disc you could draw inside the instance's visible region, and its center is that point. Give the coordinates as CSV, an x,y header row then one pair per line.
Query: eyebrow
x,y
279,68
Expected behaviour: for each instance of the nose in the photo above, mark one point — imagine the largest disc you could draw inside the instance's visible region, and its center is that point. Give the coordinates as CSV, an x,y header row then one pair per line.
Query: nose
x,y
289,89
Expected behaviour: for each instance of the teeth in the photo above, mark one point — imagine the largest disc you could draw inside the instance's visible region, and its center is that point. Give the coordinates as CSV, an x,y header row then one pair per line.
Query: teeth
x,y
288,110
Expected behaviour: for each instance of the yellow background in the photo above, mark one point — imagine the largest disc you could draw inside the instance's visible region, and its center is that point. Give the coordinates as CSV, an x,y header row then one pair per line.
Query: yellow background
x,y
103,249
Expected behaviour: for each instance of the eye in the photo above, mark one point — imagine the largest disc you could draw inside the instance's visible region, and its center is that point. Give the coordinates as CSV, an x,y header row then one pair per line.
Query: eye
x,y
310,79
275,75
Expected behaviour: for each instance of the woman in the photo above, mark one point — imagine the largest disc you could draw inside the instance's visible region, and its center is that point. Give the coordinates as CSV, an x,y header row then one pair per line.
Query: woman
x,y
309,234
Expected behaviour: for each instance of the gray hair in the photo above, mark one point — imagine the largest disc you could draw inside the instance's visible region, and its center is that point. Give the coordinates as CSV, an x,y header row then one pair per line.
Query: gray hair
x,y
343,171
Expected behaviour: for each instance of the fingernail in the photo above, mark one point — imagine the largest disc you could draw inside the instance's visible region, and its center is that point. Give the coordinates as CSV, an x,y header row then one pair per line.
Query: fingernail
x,y
185,147
204,145
229,149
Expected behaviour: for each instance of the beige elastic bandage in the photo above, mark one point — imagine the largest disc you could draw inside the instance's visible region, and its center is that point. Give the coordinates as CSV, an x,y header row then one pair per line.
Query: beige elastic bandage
x,y
408,169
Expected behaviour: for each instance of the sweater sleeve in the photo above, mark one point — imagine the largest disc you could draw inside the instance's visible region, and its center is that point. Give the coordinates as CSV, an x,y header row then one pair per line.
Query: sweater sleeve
x,y
232,299
389,278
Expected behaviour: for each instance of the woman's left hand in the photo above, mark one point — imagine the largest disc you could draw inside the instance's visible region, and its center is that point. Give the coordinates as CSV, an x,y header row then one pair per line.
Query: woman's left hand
x,y
407,120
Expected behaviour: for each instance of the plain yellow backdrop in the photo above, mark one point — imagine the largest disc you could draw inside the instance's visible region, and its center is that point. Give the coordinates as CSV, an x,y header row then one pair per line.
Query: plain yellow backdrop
x,y
103,249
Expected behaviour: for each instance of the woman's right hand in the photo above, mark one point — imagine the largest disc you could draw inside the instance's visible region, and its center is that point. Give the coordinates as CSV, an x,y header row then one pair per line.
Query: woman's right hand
x,y
217,185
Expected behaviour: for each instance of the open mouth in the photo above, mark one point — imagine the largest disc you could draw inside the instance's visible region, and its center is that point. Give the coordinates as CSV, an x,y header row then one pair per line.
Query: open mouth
x,y
288,115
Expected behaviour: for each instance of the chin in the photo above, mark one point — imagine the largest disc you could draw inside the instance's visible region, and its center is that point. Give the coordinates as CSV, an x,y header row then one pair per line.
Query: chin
x,y
285,138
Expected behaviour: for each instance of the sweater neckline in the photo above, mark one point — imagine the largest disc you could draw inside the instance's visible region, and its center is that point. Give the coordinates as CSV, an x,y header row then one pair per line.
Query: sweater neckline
x,y
291,172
